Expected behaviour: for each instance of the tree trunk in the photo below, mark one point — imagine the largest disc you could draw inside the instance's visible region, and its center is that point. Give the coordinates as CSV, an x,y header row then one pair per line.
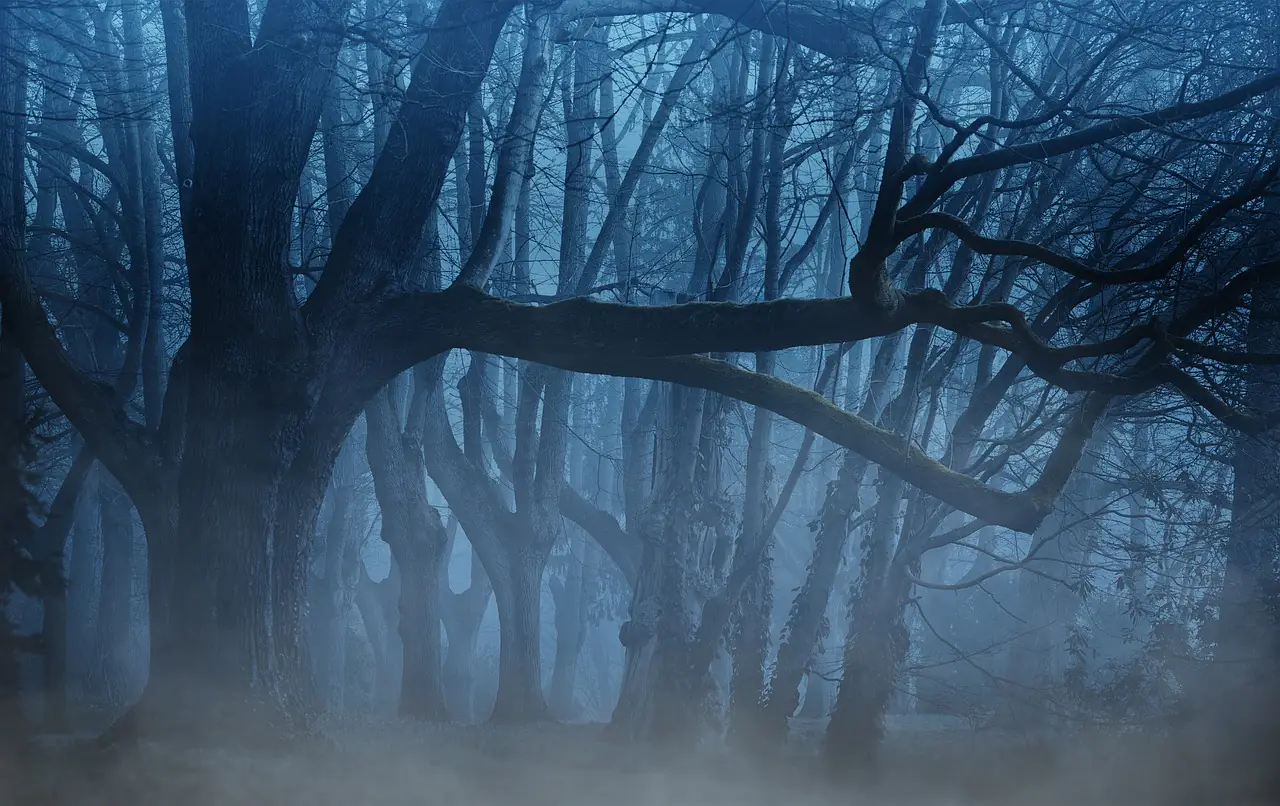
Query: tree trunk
x,y
667,691
750,645
517,589
422,685
332,607
114,626
809,609
564,671
215,665
411,526
666,680
572,597
875,650
295,525
376,602
807,618
80,598
462,621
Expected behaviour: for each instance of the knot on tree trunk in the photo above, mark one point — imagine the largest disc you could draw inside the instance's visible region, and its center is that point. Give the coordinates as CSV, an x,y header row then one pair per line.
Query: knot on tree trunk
x,y
641,627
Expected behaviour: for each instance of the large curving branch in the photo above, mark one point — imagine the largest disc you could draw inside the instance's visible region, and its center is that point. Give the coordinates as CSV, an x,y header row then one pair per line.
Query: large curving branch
x,y
413,327
94,409
1022,511
658,343
586,336
409,328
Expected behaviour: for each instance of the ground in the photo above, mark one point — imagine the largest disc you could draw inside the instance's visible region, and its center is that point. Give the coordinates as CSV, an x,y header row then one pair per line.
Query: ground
x,y
926,762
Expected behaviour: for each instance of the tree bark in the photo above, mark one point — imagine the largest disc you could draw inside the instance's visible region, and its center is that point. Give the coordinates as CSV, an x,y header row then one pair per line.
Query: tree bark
x,y
376,602
875,649
332,605
422,693
517,588
412,528
665,687
52,545
573,596
463,616
112,656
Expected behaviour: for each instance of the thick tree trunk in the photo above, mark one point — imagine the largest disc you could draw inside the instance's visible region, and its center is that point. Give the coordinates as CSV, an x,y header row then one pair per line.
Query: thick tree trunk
x,y
750,647
572,598
326,639
114,625
517,589
411,526
878,639
377,602
875,650
294,529
422,685
666,686
564,670
637,635
204,660
215,592
663,698
667,691
332,602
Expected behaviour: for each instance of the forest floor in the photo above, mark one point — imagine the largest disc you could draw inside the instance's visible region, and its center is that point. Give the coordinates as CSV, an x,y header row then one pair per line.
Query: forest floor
x,y
925,763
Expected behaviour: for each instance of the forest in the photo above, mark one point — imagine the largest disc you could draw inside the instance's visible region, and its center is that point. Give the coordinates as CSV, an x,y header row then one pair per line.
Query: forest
x,y
639,401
